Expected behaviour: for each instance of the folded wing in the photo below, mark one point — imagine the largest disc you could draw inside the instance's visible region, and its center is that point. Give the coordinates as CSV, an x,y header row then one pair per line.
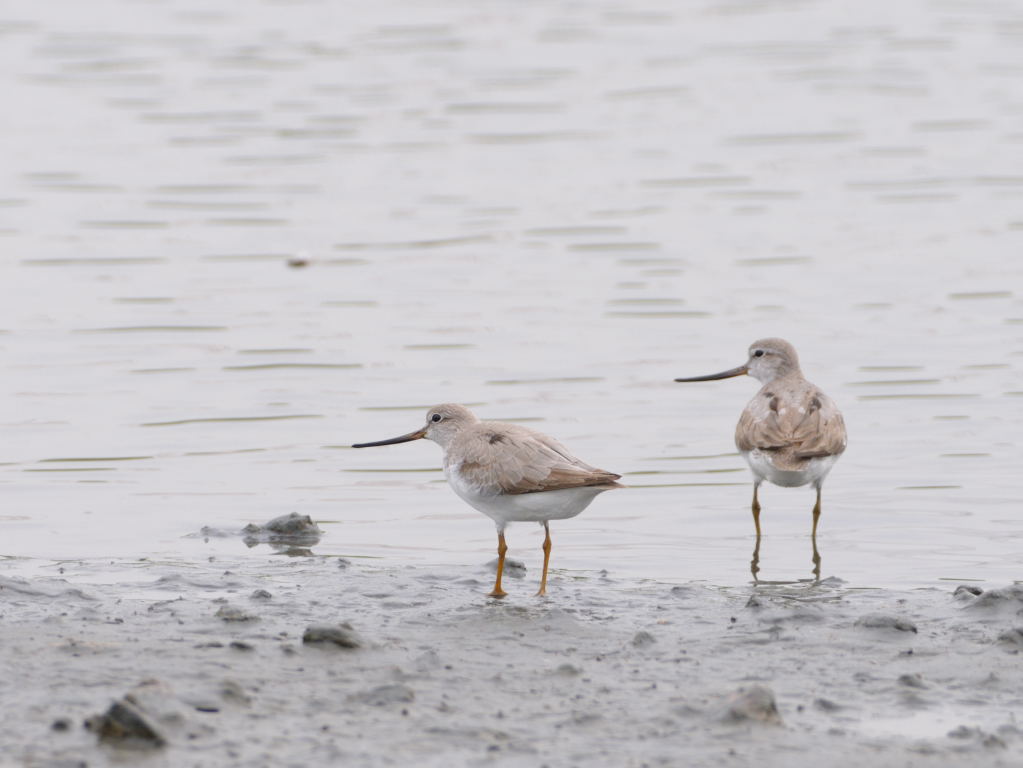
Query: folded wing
x,y
516,460
793,429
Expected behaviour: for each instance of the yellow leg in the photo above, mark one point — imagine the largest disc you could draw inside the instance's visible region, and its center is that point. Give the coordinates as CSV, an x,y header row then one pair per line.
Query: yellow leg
x,y
816,560
816,513
754,564
546,559
756,510
501,549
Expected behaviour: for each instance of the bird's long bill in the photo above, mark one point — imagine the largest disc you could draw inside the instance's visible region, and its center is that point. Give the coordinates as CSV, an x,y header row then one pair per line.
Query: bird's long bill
x,y
417,435
723,375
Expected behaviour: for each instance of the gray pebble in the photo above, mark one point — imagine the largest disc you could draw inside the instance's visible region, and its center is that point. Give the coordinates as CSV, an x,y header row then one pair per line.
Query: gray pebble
x,y
341,635
885,621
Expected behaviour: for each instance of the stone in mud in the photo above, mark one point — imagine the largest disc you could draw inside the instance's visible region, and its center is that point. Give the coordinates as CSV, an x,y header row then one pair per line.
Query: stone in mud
x,y
1013,637
138,720
912,680
568,670
966,592
234,613
642,639
751,705
382,695
885,621
260,594
125,725
292,529
341,635
1010,597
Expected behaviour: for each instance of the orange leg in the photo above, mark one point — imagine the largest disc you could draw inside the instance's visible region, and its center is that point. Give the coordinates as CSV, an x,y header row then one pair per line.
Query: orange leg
x,y
501,549
816,514
754,564
756,509
546,559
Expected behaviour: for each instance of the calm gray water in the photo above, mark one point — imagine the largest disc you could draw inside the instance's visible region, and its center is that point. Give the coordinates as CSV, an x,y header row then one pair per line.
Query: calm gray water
x,y
544,210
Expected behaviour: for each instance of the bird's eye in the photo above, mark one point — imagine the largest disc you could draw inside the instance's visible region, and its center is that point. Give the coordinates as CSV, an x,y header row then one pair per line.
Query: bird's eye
x,y
436,417
758,353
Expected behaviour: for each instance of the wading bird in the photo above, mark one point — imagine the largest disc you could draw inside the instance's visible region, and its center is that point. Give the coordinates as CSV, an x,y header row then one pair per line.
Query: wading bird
x,y
510,474
790,433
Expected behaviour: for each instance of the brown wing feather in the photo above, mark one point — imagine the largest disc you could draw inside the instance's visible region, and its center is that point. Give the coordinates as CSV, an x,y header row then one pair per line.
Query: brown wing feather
x,y
795,426
514,460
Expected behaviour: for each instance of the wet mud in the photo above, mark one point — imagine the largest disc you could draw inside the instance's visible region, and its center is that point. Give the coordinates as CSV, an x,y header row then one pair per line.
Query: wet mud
x,y
298,661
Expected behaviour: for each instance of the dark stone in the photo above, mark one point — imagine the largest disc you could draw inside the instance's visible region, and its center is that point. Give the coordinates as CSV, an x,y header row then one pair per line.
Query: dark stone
x,y
382,695
233,613
751,705
642,639
341,635
912,680
884,621
125,724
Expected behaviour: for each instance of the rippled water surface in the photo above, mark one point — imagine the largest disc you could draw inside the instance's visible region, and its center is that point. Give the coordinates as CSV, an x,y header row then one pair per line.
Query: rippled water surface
x,y
238,238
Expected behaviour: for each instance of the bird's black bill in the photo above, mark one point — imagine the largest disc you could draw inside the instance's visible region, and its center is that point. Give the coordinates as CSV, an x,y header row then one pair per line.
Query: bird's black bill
x,y
723,375
418,434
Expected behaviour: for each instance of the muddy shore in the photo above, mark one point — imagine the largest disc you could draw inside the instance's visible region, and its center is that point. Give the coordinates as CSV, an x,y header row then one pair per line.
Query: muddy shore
x,y
323,661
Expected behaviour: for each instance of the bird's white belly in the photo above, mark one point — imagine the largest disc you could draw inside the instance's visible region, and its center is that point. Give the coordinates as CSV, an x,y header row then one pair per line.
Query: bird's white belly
x,y
813,473
524,507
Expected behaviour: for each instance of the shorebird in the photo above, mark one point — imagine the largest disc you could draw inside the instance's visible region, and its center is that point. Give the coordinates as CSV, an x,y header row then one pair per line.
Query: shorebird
x,y
790,433
510,474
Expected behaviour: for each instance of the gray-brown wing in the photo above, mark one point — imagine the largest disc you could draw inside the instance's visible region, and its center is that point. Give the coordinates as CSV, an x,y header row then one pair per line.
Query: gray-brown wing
x,y
511,459
799,428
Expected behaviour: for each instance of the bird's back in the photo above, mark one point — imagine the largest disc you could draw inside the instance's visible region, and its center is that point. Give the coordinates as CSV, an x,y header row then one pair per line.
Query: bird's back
x,y
497,457
792,421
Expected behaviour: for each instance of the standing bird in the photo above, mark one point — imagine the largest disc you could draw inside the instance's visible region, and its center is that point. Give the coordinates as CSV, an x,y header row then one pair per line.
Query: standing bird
x,y
510,474
791,433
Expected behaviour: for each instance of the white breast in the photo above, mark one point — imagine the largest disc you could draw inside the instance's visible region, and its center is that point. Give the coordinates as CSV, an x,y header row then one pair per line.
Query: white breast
x,y
523,507
813,473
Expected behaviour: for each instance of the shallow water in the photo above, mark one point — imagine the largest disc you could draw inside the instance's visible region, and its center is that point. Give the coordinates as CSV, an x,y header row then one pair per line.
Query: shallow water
x,y
237,241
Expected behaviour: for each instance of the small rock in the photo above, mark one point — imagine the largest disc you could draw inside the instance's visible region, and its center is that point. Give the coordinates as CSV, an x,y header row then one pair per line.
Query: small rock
x,y
568,670
341,635
382,695
124,724
966,591
912,680
292,530
1012,637
240,645
964,732
60,724
260,594
755,704
231,691
1009,597
137,721
884,621
292,524
826,705
642,639
234,613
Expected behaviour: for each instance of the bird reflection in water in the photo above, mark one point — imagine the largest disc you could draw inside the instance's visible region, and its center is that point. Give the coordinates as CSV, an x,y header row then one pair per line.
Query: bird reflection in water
x,y
754,564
